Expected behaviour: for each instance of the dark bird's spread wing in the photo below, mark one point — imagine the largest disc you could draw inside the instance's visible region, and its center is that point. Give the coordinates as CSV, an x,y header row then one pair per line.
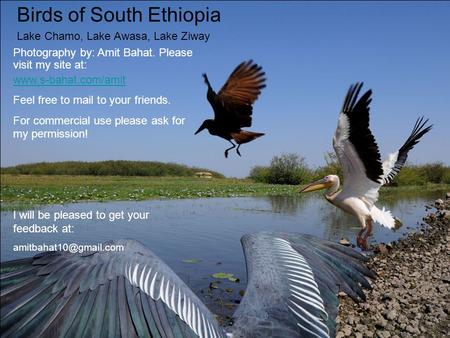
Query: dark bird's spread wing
x,y
293,281
130,293
395,161
237,95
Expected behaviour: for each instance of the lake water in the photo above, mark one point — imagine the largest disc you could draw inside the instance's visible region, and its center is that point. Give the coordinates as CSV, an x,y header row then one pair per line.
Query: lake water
x,y
210,230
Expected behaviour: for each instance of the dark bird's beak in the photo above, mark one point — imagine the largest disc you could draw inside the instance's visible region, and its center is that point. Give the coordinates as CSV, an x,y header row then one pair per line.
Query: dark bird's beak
x,y
200,129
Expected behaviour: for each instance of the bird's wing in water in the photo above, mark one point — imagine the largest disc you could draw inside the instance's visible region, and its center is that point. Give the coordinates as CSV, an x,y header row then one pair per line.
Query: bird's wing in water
x,y
239,93
356,148
129,293
293,281
395,161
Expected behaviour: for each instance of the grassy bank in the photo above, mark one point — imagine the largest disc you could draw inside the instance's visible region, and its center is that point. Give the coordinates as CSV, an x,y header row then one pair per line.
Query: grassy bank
x,y
51,189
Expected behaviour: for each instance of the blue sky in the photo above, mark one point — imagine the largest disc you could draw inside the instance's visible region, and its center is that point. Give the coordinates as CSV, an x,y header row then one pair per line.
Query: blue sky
x,y
311,53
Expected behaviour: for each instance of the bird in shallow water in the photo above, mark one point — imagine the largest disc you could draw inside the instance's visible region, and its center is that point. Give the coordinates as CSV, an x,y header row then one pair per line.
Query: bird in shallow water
x,y
232,105
293,281
363,171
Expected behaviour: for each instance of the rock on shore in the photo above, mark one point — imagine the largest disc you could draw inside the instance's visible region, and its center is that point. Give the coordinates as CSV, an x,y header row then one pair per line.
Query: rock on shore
x,y
411,296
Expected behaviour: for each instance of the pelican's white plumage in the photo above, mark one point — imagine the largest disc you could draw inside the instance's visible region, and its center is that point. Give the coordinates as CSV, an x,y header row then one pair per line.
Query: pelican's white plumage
x,y
359,157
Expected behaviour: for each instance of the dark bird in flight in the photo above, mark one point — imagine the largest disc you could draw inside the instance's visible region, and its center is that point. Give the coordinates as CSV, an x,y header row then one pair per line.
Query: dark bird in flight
x,y
293,281
232,105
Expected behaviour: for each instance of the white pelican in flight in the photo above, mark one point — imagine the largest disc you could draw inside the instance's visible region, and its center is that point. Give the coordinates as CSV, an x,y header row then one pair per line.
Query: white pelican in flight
x,y
363,171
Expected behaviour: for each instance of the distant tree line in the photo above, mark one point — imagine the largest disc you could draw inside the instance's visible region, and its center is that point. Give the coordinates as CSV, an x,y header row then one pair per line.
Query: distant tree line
x,y
108,168
293,169
423,174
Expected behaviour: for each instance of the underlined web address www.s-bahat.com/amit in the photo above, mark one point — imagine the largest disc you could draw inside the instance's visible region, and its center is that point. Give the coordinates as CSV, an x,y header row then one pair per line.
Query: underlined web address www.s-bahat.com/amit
x,y
69,81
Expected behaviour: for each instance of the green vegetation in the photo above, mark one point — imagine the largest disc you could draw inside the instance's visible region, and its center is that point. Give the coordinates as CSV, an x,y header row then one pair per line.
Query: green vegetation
x,y
223,275
332,167
422,174
19,190
292,169
283,169
22,190
108,168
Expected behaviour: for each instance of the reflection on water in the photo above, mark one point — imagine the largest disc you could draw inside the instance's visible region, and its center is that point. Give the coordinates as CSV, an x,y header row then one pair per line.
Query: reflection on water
x,y
286,204
210,229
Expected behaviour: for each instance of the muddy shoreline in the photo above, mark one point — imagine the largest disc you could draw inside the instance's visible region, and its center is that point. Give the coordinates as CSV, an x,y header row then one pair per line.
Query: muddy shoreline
x,y
411,296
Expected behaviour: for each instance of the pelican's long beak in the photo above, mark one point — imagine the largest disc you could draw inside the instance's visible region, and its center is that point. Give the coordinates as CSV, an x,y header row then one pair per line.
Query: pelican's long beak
x,y
200,129
316,185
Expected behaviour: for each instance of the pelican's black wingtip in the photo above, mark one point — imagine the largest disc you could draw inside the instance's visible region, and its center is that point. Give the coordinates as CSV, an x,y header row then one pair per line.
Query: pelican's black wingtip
x,y
421,122
352,96
356,87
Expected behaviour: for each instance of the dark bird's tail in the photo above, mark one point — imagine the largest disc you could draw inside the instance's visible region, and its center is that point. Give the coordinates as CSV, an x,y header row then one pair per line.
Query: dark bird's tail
x,y
245,136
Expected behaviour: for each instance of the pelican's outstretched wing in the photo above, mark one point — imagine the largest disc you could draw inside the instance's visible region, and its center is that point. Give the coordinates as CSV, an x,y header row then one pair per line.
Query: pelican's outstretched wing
x,y
293,281
395,161
356,148
128,293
